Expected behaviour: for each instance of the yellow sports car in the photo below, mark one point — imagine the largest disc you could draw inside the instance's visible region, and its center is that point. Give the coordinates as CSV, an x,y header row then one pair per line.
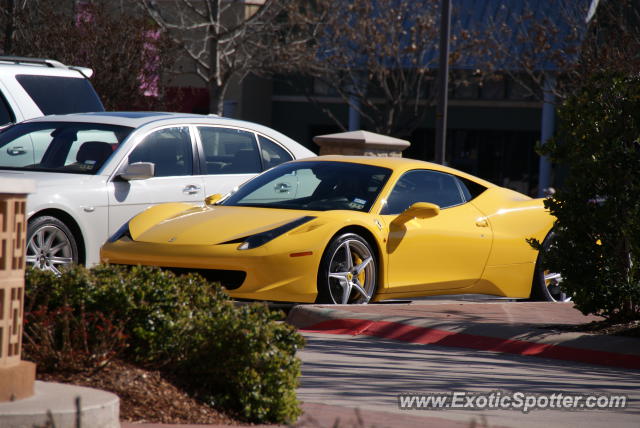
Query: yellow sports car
x,y
338,229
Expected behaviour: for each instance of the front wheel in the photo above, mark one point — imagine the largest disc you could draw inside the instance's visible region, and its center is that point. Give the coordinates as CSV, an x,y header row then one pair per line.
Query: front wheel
x,y
546,283
50,244
348,271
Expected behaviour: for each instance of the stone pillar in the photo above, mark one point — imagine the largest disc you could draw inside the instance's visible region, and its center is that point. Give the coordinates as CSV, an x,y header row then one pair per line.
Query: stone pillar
x,y
17,377
360,143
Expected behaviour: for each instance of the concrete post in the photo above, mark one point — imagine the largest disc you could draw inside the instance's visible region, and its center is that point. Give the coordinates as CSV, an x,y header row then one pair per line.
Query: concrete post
x,y
360,143
546,132
17,377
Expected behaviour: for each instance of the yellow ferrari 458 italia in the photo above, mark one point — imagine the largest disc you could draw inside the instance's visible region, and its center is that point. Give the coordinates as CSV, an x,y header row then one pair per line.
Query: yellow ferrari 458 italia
x,y
338,229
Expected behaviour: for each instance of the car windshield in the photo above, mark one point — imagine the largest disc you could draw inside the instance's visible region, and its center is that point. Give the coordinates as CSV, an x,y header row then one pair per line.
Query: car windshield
x,y
313,185
72,147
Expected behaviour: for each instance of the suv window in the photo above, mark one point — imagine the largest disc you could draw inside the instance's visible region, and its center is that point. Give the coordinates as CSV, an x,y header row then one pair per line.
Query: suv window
x,y
60,95
6,114
424,186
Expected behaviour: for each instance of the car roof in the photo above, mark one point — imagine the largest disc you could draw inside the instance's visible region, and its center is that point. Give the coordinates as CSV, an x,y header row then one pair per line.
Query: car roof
x,y
399,164
136,119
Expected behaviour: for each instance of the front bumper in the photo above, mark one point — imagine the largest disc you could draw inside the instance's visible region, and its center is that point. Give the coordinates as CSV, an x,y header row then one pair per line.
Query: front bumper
x,y
271,272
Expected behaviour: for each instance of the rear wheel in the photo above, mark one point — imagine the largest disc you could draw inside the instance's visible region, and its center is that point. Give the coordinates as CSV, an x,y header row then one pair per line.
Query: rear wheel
x,y
547,285
348,271
50,244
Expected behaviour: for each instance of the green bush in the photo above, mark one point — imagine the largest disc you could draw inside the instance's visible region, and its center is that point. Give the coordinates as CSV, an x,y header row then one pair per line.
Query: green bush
x,y
239,358
597,245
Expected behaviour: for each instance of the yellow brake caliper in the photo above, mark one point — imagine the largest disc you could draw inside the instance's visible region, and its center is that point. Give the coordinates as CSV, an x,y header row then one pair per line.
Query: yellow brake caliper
x,y
361,276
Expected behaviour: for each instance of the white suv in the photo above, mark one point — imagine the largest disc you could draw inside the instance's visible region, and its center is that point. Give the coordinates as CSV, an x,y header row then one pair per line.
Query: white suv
x,y
32,87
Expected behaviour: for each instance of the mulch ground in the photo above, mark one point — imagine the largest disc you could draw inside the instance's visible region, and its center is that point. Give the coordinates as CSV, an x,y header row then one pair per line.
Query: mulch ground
x,y
629,329
145,396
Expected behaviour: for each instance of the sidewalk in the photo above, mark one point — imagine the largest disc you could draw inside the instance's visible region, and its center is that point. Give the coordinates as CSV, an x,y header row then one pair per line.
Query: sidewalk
x,y
522,328
327,416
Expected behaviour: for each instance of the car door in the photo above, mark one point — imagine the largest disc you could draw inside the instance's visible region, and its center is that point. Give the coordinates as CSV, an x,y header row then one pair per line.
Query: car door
x,y
446,251
171,150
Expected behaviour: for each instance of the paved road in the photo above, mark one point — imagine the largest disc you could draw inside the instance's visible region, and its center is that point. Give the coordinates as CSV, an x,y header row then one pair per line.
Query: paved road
x,y
368,373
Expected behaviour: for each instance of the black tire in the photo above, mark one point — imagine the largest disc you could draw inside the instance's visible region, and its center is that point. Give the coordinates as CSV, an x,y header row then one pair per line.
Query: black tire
x,y
50,244
546,284
344,282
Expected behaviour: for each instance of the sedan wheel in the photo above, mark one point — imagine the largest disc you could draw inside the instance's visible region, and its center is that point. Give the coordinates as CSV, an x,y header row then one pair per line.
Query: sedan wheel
x,y
50,245
347,271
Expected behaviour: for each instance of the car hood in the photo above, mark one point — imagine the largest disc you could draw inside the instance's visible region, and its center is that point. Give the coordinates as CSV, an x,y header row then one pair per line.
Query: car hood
x,y
48,179
210,225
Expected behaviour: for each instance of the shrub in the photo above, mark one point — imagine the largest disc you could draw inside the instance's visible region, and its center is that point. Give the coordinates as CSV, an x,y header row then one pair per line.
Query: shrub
x,y
597,245
65,340
238,358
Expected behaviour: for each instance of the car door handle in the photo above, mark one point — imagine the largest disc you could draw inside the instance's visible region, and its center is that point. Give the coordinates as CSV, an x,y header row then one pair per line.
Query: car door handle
x,y
16,151
191,189
282,187
482,222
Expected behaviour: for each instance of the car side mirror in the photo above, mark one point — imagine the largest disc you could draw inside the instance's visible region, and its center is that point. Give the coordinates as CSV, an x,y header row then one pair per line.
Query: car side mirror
x,y
138,171
420,210
212,199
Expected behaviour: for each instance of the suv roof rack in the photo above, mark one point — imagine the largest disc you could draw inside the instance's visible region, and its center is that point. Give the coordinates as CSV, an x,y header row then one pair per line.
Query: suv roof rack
x,y
86,72
27,60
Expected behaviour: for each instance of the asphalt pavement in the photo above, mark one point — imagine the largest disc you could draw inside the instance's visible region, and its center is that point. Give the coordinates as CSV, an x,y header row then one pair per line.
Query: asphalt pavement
x,y
359,358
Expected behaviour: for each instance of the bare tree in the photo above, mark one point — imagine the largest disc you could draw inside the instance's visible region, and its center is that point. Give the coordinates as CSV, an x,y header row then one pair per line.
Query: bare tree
x,y
612,42
565,39
225,39
124,51
378,57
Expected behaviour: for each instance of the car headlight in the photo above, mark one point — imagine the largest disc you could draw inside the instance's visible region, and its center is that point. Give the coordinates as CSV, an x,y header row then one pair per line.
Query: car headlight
x,y
122,232
253,241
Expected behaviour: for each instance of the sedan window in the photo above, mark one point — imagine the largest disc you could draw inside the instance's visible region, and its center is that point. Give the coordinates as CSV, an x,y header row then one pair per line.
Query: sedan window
x,y
169,149
272,153
60,146
423,186
229,151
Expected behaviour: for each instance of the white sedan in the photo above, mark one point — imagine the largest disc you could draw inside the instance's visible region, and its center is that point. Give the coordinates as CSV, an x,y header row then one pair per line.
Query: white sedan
x,y
94,171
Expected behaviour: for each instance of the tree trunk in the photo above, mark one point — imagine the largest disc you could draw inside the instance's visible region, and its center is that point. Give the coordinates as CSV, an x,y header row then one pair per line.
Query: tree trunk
x,y
216,86
216,98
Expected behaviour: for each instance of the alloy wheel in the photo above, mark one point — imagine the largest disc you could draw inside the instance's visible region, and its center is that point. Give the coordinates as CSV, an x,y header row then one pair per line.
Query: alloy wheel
x,y
49,248
352,273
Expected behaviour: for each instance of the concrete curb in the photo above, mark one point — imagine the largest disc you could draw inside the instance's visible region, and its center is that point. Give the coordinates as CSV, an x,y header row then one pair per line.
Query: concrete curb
x,y
510,335
99,409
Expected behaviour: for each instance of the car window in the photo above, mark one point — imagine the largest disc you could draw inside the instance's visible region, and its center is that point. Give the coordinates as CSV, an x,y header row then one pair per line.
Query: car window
x,y
169,149
314,185
272,153
6,114
229,151
423,186
61,95
470,189
59,146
